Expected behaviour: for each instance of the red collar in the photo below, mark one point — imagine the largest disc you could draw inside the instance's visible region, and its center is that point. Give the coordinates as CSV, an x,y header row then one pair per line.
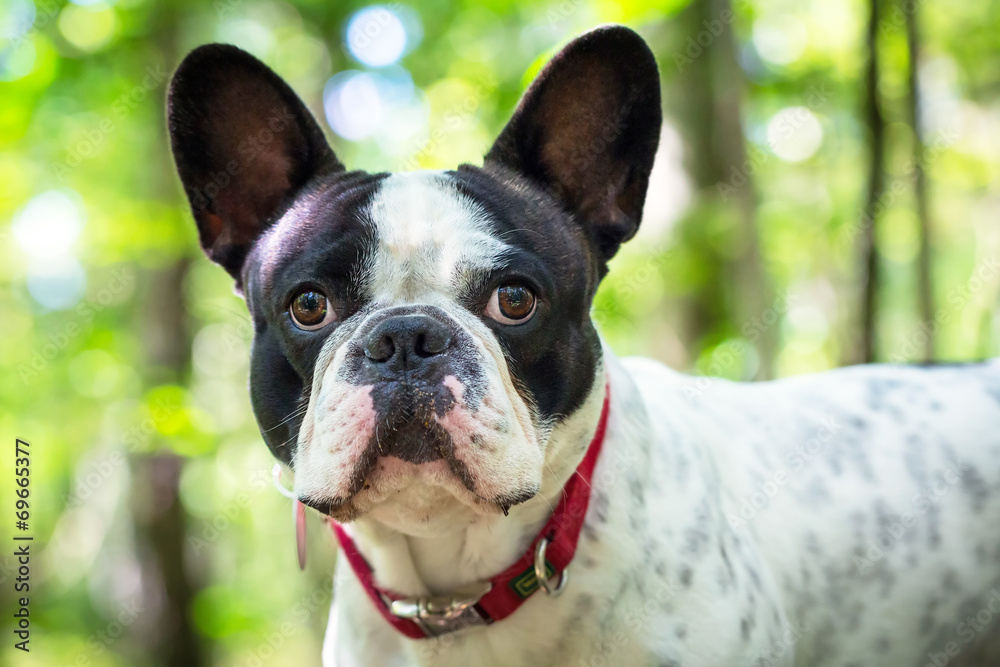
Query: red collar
x,y
517,583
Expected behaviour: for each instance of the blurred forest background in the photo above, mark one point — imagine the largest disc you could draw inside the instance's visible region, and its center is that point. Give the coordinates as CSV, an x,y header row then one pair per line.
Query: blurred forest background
x,y
826,193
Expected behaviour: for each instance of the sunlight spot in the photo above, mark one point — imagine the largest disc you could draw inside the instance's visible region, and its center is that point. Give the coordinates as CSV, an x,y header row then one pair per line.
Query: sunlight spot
x,y
376,36
780,40
18,61
794,134
352,104
57,284
49,224
88,28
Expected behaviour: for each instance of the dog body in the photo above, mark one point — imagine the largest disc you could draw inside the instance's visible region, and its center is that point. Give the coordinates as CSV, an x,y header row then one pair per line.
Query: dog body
x,y
425,361
847,518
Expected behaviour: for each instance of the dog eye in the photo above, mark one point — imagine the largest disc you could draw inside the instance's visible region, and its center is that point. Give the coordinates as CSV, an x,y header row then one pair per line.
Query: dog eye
x,y
511,304
310,310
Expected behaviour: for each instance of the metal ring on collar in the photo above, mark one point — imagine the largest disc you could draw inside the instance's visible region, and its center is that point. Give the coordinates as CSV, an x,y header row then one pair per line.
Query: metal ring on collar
x,y
551,588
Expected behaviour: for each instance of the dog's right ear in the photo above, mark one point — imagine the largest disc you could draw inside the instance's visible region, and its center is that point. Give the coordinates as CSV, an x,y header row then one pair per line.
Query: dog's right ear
x,y
244,144
587,130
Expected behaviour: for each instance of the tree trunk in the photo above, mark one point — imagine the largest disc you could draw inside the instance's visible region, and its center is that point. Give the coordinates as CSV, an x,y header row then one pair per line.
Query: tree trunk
x,y
924,267
159,517
876,186
737,290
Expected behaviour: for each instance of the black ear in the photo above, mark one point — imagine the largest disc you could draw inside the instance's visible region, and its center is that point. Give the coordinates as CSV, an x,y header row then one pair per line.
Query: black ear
x,y
244,144
587,129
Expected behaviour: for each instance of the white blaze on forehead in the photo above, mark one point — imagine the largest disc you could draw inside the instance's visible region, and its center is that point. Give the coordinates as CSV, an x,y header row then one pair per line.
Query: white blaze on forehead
x,y
427,234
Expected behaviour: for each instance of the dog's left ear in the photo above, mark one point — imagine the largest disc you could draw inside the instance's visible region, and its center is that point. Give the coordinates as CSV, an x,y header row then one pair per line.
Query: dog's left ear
x,y
587,129
244,144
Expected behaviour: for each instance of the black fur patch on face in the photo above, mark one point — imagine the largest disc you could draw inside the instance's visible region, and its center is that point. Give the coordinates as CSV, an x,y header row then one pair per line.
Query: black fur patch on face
x,y
318,245
554,356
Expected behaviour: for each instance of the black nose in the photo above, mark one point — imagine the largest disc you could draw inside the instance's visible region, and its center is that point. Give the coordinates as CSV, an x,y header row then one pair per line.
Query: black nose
x,y
406,342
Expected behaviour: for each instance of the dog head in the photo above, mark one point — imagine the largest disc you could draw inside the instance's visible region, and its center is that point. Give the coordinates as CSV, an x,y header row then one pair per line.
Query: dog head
x,y
419,336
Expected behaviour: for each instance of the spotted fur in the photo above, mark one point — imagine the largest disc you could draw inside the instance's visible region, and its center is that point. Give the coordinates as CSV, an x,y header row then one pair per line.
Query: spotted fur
x,y
844,519
877,544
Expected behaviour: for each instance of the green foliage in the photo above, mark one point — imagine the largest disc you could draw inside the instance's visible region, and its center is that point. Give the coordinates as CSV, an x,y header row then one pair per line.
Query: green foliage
x,y
81,114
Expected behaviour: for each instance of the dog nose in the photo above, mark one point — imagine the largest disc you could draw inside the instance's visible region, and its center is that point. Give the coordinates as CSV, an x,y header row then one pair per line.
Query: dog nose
x,y
405,342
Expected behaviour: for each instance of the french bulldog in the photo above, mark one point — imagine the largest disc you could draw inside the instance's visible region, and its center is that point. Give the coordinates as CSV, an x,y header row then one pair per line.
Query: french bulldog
x,y
507,491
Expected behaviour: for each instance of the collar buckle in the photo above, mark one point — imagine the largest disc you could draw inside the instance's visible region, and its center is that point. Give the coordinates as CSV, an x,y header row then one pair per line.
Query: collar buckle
x,y
437,608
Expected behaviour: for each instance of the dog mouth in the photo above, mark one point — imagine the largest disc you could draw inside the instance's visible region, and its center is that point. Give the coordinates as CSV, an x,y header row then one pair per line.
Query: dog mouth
x,y
422,485
410,450
416,449
390,477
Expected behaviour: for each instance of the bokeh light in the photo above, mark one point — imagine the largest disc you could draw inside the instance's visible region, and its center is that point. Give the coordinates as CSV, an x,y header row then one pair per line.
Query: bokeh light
x,y
57,283
352,104
49,225
94,373
780,40
376,36
88,28
18,61
47,229
794,134
358,105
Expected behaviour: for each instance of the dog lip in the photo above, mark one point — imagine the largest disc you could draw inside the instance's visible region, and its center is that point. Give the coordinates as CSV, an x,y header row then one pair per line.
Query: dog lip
x,y
508,501
327,507
321,506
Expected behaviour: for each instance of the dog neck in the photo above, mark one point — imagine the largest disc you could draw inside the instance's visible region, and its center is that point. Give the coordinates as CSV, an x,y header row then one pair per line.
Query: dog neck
x,y
464,547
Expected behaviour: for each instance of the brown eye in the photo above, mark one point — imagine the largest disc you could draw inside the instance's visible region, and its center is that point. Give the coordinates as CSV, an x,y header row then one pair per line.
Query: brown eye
x,y
310,310
511,304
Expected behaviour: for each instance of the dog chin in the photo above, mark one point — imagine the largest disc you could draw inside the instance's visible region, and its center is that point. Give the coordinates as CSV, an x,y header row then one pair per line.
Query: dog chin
x,y
420,498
